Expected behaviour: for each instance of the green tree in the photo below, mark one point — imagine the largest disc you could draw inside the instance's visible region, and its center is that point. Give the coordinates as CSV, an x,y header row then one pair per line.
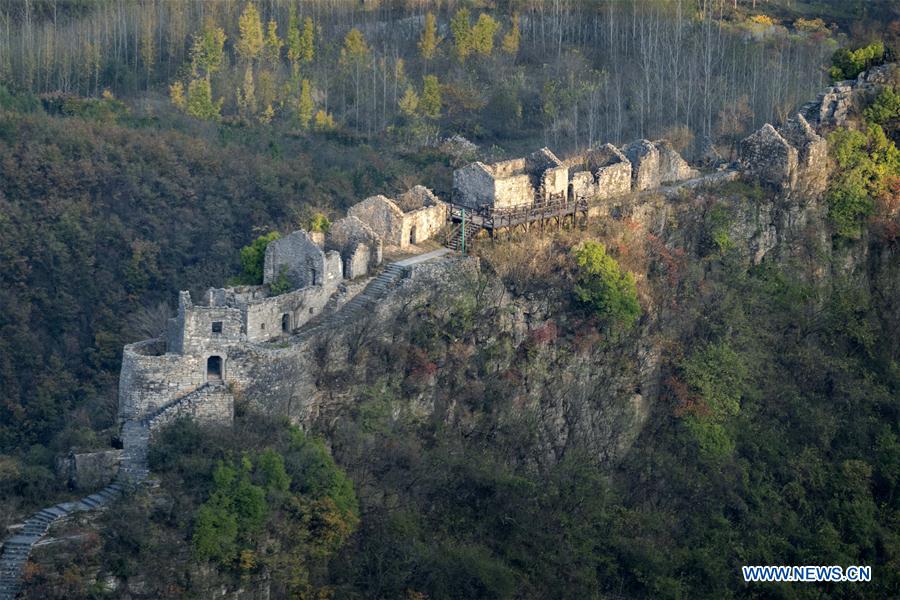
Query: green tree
x,y
462,34
513,37
215,531
253,258
430,102
409,103
483,34
250,43
273,44
294,43
355,49
270,465
429,40
176,94
323,121
316,474
216,524
308,41
305,105
716,376
884,109
207,50
354,55
199,101
246,94
604,287
318,223
865,164
847,64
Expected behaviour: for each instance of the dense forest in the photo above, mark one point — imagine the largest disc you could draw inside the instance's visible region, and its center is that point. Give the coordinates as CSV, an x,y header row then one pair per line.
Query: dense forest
x,y
575,73
144,143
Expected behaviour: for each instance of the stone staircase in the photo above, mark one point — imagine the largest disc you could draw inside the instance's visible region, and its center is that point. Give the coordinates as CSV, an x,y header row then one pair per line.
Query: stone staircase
x,y
375,289
17,547
134,469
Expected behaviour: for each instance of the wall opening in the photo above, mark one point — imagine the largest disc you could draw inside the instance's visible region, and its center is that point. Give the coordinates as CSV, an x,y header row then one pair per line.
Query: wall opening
x,y
412,234
217,327
314,277
214,369
286,323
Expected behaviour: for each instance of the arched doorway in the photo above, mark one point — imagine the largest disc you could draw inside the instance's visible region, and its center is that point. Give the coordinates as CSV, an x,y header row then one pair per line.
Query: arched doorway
x,y
412,234
285,323
214,372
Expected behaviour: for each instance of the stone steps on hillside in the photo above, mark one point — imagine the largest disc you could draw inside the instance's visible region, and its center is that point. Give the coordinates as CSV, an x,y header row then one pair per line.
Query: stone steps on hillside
x,y
374,291
133,471
134,468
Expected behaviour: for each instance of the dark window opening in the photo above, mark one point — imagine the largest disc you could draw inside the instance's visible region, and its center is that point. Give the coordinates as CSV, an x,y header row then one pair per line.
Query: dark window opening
x,y
312,310
412,235
314,277
217,327
262,325
285,322
214,368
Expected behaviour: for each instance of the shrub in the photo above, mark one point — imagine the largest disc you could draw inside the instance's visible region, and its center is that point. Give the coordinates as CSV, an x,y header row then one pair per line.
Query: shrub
x,y
253,259
716,375
866,162
604,287
318,223
884,109
847,64
282,284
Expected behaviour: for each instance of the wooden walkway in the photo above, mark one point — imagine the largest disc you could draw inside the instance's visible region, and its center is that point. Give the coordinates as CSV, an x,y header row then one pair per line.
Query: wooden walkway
x,y
555,212
543,214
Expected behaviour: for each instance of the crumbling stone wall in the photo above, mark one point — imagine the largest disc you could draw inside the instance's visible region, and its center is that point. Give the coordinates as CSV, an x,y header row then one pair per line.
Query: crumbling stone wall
x,y
644,158
672,167
199,329
383,216
415,198
89,470
265,318
424,223
513,192
793,158
835,106
767,157
549,176
473,186
612,171
359,246
424,217
812,156
211,404
300,258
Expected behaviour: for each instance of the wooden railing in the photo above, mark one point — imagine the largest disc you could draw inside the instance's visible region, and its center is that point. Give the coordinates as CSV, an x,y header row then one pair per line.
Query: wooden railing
x,y
495,218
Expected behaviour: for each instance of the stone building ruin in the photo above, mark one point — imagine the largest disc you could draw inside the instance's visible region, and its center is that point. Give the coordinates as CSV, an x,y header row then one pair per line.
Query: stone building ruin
x,y
360,247
541,178
422,215
792,158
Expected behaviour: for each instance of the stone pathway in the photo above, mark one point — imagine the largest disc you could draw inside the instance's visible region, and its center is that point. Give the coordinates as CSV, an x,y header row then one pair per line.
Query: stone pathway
x,y
373,292
17,547
134,470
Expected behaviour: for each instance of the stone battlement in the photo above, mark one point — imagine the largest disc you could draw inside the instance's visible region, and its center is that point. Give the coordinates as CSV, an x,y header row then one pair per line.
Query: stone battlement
x,y
541,177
